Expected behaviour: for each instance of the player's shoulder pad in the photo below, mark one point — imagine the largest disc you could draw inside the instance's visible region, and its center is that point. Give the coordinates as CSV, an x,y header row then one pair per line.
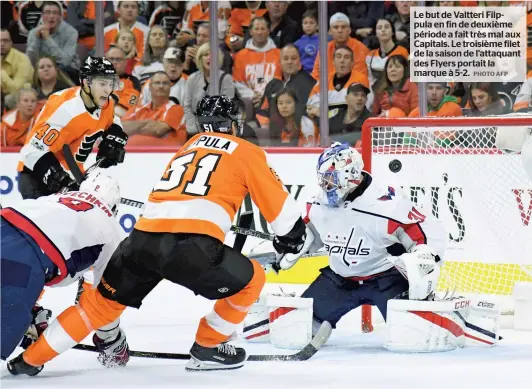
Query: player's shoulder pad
x,y
385,200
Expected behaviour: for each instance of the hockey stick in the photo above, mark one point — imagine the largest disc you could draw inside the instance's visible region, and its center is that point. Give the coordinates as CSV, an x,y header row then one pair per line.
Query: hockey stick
x,y
245,221
306,353
73,166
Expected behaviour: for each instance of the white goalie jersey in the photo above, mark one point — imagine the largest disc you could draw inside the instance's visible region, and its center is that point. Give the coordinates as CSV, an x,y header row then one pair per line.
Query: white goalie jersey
x,y
366,229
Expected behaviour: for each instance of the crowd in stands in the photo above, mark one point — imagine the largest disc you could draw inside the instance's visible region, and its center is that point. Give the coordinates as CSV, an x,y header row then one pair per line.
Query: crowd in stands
x,y
268,54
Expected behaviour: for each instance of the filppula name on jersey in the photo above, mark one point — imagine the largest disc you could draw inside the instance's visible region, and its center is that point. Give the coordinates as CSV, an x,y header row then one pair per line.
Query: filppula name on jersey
x,y
214,142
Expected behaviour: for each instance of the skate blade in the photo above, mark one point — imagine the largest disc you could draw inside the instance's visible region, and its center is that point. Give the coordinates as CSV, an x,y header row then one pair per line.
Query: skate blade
x,y
197,365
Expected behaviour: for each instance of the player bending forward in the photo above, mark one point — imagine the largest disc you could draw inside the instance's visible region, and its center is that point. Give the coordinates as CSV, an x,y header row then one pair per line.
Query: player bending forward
x,y
180,238
51,241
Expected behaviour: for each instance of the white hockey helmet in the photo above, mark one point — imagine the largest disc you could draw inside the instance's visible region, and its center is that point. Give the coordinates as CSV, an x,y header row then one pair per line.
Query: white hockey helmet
x,y
104,186
339,171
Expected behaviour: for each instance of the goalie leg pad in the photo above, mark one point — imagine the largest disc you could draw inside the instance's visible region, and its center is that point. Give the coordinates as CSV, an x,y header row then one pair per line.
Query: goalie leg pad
x,y
256,327
290,321
481,324
425,326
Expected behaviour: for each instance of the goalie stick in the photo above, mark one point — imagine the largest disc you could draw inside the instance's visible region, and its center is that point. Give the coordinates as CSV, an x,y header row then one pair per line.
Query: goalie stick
x,y
306,353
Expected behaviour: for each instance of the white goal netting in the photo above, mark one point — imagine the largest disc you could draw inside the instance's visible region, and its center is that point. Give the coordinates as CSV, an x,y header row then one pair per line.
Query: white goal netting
x,y
452,169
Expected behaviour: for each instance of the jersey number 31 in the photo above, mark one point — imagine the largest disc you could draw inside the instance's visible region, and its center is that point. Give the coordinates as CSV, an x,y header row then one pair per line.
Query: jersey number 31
x,y
198,185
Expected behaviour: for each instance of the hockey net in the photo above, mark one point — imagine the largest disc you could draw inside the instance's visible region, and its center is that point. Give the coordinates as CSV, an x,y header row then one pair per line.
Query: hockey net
x,y
452,169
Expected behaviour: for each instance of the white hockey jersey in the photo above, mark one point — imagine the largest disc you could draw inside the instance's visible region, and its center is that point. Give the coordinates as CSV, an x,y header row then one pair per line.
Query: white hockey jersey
x,y
360,234
75,230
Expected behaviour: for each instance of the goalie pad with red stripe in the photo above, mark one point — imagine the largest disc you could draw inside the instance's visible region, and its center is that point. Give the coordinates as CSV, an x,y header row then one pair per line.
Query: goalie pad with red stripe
x,y
436,326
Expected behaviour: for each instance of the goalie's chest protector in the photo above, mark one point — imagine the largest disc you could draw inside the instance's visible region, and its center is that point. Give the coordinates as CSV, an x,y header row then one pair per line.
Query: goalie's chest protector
x,y
356,233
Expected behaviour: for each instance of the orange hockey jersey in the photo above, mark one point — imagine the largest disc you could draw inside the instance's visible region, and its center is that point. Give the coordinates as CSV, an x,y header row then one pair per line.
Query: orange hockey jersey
x,y
170,113
204,186
128,92
13,130
253,68
65,120
140,31
360,52
240,20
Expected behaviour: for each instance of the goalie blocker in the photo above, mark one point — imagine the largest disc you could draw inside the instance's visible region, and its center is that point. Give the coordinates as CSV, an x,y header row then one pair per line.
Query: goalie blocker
x,y
435,326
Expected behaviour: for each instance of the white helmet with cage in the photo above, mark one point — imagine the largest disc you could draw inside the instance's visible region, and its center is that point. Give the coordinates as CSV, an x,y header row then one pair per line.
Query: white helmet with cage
x,y
339,172
103,186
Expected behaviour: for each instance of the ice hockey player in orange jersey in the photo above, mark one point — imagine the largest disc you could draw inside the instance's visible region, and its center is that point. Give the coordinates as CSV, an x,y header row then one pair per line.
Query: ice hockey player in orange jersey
x,y
180,238
77,116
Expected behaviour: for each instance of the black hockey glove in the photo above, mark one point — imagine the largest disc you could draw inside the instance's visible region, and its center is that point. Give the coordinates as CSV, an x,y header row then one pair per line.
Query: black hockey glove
x,y
292,242
111,148
56,179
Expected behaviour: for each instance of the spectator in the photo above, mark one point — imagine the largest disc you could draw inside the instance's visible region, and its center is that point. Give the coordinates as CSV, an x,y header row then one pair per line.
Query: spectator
x,y
340,31
438,103
82,14
128,92
56,38
441,105
48,79
239,23
289,127
128,11
16,66
126,40
198,85
202,36
168,15
401,22
198,12
394,89
173,66
292,77
363,16
346,126
152,60
376,59
160,122
309,43
257,64
484,100
523,101
283,29
17,123
29,15
337,83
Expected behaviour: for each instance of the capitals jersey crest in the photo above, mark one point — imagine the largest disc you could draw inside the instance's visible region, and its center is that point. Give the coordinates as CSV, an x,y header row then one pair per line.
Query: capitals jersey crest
x,y
389,195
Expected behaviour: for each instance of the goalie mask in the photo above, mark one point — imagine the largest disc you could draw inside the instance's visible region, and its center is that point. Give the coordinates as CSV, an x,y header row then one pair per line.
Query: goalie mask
x,y
339,171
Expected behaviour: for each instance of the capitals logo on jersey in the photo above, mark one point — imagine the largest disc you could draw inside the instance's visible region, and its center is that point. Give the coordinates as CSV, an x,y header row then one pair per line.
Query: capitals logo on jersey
x,y
346,246
391,193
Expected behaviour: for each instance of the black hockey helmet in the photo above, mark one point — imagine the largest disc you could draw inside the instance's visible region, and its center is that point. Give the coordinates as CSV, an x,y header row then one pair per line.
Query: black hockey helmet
x,y
217,114
97,66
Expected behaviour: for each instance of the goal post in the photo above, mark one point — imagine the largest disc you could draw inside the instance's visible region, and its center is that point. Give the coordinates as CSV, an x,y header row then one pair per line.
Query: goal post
x,y
451,168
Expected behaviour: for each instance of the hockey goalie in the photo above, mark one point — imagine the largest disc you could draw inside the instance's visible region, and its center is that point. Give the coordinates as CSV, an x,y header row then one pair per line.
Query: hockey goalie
x,y
385,252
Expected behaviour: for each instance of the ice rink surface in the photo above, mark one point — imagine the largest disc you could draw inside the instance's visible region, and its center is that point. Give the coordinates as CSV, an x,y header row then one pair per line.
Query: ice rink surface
x,y
167,322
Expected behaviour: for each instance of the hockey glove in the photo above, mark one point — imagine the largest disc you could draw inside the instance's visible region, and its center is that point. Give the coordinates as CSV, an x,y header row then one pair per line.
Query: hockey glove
x,y
292,246
57,179
111,148
39,323
113,352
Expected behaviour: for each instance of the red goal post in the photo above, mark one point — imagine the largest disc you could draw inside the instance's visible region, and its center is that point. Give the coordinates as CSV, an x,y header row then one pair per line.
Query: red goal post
x,y
453,170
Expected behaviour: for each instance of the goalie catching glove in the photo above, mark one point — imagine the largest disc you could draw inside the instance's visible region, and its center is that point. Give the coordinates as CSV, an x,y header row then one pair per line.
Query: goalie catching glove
x,y
292,246
421,268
